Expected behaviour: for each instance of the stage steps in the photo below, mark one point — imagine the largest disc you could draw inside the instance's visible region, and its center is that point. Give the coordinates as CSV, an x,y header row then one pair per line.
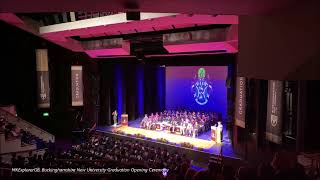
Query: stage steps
x,y
6,157
25,125
15,145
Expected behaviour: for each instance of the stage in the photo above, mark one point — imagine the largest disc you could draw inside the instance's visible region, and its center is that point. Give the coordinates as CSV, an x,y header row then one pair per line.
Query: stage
x,y
201,143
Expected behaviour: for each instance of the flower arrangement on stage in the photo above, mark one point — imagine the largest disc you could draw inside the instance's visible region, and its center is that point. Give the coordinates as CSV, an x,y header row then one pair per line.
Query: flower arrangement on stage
x,y
140,136
162,140
172,143
149,138
187,145
120,132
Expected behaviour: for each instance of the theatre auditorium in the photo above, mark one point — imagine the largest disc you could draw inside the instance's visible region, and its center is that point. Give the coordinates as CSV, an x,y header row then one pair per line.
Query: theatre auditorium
x,y
168,90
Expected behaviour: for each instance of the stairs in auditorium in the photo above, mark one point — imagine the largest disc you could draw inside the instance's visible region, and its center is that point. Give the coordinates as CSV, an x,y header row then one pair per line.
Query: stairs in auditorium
x,y
16,144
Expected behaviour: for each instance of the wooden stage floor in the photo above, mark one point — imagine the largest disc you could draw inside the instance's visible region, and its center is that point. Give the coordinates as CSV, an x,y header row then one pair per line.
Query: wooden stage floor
x,y
172,138
203,141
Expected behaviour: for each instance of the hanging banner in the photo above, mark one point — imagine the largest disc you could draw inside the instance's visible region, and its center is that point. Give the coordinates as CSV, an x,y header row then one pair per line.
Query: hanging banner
x,y
274,112
43,95
76,86
240,109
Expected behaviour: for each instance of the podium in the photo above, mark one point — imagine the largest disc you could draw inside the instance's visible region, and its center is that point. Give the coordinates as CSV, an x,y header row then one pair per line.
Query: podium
x,y
124,119
213,133
216,134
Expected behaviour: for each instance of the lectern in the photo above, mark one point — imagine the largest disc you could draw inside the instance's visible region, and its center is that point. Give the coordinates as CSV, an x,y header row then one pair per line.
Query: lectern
x,y
213,133
216,134
124,119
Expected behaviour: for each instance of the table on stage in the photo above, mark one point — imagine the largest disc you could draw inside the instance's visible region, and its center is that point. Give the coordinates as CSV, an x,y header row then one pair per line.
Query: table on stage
x,y
168,128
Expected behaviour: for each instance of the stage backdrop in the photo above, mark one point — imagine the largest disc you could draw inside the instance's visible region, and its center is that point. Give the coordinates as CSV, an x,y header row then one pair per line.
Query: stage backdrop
x,y
200,88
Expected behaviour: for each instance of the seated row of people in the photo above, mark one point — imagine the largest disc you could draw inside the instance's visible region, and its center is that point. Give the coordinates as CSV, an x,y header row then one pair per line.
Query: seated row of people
x,y
186,122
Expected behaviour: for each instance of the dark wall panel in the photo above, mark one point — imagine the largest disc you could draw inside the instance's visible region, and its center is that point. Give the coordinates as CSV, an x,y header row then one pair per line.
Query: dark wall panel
x,y
18,79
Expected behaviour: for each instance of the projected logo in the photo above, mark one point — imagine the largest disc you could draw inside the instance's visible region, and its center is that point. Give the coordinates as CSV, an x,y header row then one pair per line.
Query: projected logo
x,y
201,88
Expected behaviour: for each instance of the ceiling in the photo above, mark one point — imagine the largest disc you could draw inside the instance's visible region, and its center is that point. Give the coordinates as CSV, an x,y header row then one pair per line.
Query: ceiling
x,y
114,35
171,15
234,7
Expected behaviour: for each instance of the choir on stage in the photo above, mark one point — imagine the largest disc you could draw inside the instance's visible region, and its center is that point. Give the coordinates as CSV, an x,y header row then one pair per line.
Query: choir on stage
x,y
185,123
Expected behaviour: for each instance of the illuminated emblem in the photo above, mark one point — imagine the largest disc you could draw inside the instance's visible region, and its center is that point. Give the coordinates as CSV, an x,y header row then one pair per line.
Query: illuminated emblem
x,y
201,88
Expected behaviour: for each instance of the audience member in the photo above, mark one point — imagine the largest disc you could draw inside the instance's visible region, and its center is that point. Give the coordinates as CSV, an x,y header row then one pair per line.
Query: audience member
x,y
108,152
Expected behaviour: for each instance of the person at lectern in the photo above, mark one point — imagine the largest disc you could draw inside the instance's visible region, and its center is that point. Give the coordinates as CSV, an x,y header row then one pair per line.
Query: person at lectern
x,y
115,116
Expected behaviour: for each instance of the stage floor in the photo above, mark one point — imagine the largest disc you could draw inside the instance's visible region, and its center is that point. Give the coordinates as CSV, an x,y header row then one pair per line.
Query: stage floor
x,y
203,141
173,138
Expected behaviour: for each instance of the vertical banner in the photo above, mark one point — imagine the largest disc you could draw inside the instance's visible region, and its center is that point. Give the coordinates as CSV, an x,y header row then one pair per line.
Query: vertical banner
x,y
240,109
274,113
76,86
43,95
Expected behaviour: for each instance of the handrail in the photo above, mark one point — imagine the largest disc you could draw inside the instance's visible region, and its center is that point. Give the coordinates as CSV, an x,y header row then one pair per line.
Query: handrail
x,y
8,113
26,122
24,151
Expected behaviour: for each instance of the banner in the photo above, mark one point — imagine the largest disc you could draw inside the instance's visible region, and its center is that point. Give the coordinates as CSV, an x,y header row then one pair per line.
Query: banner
x,y
240,109
200,36
43,88
274,112
76,86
